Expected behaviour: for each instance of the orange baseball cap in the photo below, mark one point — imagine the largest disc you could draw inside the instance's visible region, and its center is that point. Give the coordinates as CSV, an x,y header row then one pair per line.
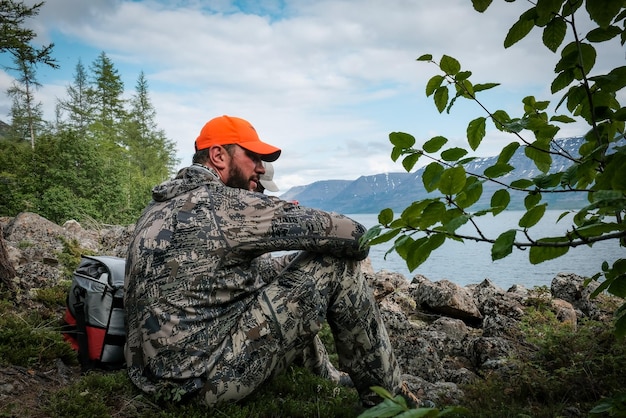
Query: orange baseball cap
x,y
225,130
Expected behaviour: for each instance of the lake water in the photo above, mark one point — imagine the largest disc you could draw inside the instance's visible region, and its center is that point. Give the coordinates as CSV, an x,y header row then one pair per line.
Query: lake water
x,y
470,262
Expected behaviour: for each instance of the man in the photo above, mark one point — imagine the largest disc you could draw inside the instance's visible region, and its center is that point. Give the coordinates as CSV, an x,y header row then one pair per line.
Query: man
x,y
209,315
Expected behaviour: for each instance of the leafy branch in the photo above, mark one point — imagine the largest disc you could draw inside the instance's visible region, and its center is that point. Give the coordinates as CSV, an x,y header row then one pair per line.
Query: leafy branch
x,y
597,171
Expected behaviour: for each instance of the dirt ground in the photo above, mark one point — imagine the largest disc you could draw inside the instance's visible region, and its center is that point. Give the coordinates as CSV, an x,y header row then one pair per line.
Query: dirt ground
x,y
24,390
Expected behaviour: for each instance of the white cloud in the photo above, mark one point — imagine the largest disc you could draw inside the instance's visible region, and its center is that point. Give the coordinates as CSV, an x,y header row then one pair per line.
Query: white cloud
x,y
325,80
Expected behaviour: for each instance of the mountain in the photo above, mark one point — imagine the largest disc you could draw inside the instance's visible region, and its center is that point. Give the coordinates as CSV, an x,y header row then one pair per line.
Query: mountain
x,y
371,194
4,129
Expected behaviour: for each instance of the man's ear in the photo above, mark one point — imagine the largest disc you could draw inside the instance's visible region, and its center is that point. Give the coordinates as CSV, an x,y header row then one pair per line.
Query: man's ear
x,y
218,156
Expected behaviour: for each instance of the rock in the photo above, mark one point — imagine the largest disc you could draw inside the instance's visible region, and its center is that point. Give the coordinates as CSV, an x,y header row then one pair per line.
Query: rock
x,y
571,288
493,300
446,298
34,246
443,335
565,312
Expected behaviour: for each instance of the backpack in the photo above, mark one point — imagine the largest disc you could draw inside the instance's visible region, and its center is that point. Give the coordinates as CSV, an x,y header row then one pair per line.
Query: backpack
x,y
94,315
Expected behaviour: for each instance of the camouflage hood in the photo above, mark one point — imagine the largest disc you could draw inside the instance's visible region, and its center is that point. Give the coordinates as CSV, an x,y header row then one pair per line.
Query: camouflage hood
x,y
186,180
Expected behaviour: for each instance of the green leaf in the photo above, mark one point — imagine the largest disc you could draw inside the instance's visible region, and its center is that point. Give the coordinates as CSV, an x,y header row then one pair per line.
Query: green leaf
x,y
485,86
570,7
538,254
588,56
431,176
554,33
618,286
507,152
412,213
410,160
603,34
606,196
562,118
532,216
384,237
546,11
456,222
531,200
613,81
562,80
470,194
464,161
500,200
603,11
370,234
620,114
481,5
463,76
538,152
521,28
452,180
577,55
476,132
402,244
498,170
425,57
396,152
575,96
432,214
449,65
548,181
434,144
385,216
433,84
620,324
596,230
441,98
503,245
500,118
569,58
417,253
464,88
453,154
435,241
521,183
515,125
401,139
386,408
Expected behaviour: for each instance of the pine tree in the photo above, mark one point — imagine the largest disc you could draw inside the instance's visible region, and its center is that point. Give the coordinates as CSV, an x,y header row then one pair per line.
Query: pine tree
x,y
108,89
151,155
79,106
15,39
14,36
26,112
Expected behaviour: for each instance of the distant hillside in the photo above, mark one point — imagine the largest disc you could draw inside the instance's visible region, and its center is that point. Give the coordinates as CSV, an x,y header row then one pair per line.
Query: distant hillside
x,y
371,194
4,128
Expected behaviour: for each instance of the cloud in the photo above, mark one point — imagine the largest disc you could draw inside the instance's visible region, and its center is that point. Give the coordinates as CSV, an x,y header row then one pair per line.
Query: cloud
x,y
325,80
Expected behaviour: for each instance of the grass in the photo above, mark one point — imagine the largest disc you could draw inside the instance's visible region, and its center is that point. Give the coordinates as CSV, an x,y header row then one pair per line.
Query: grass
x,y
296,393
569,371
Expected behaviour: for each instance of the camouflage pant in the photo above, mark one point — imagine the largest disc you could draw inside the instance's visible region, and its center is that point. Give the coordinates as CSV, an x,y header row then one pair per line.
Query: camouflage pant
x,y
283,322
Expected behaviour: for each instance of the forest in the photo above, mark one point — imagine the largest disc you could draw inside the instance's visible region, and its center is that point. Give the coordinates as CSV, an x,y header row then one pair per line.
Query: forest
x,y
99,157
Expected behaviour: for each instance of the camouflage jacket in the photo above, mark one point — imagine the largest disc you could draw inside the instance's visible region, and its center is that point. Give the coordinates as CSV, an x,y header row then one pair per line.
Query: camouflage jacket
x,y
195,263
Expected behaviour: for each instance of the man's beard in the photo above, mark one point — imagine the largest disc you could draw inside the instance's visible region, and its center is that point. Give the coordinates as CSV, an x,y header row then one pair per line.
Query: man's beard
x,y
237,180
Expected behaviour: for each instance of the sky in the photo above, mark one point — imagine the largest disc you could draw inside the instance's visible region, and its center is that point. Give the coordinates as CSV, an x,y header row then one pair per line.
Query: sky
x,y
324,80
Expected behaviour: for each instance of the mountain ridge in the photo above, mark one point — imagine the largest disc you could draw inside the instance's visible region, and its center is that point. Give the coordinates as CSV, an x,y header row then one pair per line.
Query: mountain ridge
x,y
372,193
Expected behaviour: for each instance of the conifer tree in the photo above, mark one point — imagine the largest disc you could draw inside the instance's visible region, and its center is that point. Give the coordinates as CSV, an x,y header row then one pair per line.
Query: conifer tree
x,y
108,89
16,40
151,155
79,104
26,112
